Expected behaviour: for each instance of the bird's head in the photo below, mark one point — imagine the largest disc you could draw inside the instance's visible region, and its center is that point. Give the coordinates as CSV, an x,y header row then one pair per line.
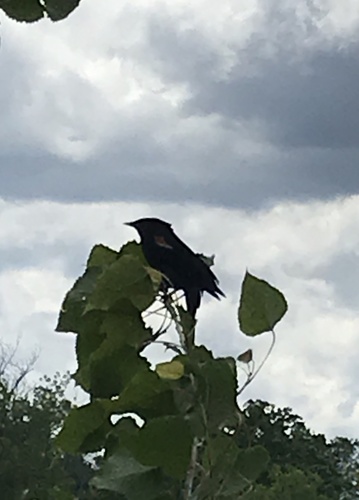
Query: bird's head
x,y
150,225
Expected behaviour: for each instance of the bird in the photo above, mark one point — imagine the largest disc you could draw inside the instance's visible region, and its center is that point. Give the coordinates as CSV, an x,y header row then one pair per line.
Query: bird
x,y
182,267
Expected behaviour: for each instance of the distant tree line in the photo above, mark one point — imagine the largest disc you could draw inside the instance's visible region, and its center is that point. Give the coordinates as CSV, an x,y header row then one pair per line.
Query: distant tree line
x,y
302,465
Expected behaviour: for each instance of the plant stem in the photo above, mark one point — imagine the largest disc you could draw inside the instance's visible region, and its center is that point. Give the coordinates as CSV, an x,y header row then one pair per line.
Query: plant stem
x,y
255,373
191,473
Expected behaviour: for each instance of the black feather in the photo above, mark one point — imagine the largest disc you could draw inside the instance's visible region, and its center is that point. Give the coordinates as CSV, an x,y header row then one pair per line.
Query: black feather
x,y
184,269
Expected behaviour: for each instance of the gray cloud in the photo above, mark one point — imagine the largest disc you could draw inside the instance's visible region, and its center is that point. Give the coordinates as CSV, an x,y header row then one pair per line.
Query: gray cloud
x,y
235,182
302,104
270,117
292,77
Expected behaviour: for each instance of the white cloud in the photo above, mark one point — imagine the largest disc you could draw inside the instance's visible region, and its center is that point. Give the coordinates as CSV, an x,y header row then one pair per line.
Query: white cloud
x,y
340,18
220,103
313,367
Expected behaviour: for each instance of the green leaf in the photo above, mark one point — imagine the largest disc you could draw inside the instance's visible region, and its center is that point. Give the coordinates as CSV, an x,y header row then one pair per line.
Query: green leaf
x,y
116,360
233,469
261,306
135,250
126,278
111,279
90,338
76,300
165,442
56,493
123,435
123,474
33,10
253,461
111,368
216,382
23,10
85,428
147,395
110,348
224,479
125,326
73,306
102,256
59,9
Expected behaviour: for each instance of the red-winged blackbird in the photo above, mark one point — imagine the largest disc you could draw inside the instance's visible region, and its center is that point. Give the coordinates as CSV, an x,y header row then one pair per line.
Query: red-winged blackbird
x,y
184,269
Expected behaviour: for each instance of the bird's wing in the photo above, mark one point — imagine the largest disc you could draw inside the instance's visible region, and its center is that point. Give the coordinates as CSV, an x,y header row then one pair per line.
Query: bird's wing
x,y
202,271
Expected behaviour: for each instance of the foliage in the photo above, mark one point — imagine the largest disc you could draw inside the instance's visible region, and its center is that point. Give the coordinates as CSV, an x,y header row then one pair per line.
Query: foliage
x,y
291,484
32,10
298,456
261,307
167,431
30,465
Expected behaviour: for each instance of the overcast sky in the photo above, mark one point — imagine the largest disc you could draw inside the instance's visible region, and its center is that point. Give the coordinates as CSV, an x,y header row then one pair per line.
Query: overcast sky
x,y
238,123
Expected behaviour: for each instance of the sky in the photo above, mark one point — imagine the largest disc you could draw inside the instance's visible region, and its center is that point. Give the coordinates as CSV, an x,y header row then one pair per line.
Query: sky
x,y
236,122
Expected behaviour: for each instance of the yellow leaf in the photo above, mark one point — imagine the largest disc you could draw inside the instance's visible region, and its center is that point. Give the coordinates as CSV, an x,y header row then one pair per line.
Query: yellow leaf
x,y
171,370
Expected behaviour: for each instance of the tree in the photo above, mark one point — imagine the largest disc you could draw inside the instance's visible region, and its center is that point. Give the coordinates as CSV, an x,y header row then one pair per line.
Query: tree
x,y
291,484
331,467
168,432
31,466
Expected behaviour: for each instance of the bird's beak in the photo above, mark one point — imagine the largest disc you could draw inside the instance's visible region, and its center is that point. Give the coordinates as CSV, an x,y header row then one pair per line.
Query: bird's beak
x,y
131,224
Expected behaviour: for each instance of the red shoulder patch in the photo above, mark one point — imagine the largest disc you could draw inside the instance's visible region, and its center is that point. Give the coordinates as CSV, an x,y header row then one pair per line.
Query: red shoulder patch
x,y
161,242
